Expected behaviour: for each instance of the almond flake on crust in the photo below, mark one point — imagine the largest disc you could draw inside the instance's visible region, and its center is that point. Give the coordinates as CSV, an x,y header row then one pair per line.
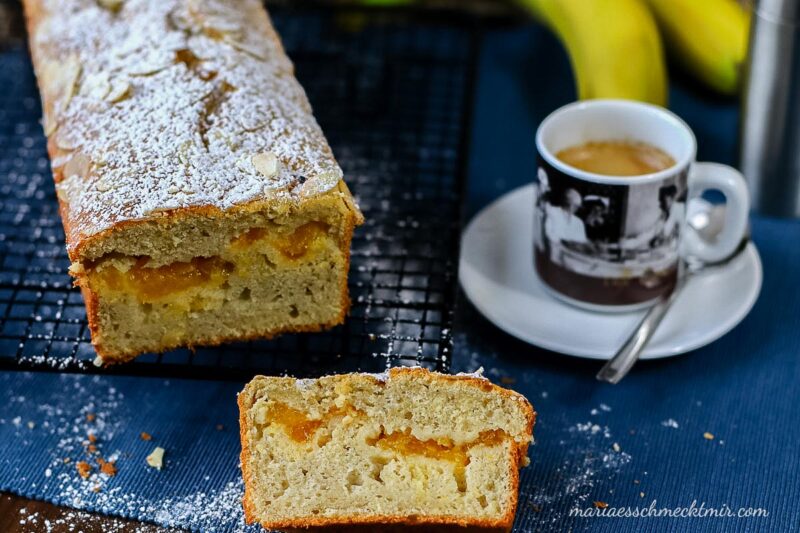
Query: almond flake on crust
x,y
266,163
119,90
96,85
78,165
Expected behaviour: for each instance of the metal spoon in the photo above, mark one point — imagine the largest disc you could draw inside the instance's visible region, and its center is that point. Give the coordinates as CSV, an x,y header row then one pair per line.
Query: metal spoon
x,y
706,222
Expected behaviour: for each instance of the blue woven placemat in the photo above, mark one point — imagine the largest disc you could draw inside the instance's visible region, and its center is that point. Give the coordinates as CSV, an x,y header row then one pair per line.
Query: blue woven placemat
x,y
628,445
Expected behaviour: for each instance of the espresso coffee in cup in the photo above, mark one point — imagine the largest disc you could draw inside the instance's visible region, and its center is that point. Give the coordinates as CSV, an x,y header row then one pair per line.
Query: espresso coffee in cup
x,y
614,180
616,158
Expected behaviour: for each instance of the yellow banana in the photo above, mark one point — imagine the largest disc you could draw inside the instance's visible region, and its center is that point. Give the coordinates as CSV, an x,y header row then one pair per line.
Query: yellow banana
x,y
709,37
614,46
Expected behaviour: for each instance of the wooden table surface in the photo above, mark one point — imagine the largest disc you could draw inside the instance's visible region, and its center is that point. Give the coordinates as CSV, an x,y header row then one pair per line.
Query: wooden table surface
x,y
21,515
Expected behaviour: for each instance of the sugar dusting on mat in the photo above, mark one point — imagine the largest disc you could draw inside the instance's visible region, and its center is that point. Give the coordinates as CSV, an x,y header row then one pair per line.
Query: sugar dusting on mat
x,y
199,511
588,452
81,416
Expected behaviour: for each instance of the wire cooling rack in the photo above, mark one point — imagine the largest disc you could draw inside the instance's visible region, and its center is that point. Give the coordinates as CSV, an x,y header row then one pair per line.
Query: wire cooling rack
x,y
392,92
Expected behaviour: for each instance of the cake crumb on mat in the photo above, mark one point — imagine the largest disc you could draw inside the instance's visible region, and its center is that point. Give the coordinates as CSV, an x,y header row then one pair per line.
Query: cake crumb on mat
x,y
84,469
156,458
107,467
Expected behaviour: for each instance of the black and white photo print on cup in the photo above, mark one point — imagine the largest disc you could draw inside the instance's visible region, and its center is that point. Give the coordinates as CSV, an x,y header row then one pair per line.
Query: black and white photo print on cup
x,y
613,242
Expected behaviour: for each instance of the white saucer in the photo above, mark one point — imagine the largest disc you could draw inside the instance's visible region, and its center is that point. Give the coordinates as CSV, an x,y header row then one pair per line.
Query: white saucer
x,y
496,272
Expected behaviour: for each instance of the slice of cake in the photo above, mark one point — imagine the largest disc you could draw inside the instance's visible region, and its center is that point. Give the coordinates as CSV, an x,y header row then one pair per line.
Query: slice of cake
x,y
408,448
200,199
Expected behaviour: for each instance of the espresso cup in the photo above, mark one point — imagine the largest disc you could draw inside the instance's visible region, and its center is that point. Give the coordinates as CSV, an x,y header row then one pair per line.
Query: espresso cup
x,y
613,243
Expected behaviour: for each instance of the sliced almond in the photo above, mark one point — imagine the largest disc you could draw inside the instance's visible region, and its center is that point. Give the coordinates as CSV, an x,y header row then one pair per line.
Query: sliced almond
x,y
220,29
266,164
246,48
64,142
61,193
78,165
70,75
49,124
148,66
96,86
60,78
120,90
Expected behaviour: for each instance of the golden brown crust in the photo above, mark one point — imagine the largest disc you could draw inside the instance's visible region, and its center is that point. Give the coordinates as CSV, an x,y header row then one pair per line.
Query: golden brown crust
x,y
399,528
393,523
244,400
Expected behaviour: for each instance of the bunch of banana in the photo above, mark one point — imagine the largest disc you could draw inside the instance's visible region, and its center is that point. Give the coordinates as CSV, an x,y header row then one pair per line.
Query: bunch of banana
x,y
615,45
708,37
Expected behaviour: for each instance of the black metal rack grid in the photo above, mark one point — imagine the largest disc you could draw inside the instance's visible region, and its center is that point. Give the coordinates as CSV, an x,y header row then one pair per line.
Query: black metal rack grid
x,y
392,95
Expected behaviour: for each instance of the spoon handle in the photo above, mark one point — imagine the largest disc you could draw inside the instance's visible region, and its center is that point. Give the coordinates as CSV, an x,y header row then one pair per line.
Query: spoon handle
x,y
618,366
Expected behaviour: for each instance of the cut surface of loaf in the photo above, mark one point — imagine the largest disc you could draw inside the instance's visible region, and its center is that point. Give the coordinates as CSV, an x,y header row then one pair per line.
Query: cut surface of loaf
x,y
200,199
409,448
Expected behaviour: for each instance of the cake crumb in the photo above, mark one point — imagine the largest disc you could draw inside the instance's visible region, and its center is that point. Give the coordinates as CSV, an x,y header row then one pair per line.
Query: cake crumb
x,y
92,438
708,436
67,460
107,467
507,380
145,436
156,458
84,469
615,447
31,425
220,427
600,505
641,494
90,417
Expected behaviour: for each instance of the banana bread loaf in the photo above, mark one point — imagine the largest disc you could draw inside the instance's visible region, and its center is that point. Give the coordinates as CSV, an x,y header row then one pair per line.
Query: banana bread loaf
x,y
200,199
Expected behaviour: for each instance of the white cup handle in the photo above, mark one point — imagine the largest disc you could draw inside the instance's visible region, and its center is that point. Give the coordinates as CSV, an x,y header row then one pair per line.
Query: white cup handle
x,y
729,181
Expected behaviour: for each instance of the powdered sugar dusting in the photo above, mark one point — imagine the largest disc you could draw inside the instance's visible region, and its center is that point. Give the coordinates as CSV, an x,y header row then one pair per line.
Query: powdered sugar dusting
x,y
75,408
163,105
670,423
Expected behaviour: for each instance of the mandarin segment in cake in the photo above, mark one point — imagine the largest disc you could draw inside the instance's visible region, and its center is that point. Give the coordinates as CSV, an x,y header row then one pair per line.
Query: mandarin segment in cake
x,y
200,199
409,447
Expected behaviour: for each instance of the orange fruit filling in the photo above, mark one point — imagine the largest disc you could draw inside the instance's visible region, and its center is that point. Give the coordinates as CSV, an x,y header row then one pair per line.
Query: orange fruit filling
x,y
293,246
298,425
295,422
153,284
300,428
404,443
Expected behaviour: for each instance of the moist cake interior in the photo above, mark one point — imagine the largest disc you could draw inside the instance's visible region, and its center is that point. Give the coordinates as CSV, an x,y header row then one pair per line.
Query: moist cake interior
x,y
259,276
366,448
